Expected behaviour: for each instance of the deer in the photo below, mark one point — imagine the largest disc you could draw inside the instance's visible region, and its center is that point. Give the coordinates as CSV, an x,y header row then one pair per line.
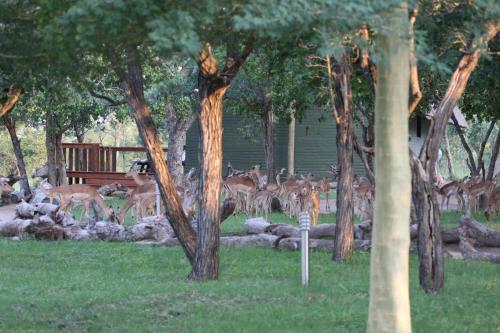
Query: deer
x,y
323,186
5,187
478,188
493,206
241,189
314,206
453,188
78,193
364,192
139,198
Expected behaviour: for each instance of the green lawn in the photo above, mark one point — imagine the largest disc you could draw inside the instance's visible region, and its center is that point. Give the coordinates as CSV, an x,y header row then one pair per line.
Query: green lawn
x,y
123,287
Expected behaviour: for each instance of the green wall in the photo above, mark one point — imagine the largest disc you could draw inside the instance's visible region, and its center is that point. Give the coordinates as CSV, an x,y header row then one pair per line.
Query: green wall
x,y
315,144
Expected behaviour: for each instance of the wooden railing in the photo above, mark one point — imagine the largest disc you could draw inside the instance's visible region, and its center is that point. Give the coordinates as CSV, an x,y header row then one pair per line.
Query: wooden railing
x,y
84,162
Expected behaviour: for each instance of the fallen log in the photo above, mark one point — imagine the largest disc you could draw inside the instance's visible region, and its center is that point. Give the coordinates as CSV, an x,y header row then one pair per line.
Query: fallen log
x,y
450,236
481,235
469,251
256,225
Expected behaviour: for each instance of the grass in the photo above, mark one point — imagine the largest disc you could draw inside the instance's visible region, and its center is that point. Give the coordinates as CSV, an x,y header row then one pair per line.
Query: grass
x,y
124,287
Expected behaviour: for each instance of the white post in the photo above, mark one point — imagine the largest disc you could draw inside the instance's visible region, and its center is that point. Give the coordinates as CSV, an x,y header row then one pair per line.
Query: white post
x,y
305,220
158,200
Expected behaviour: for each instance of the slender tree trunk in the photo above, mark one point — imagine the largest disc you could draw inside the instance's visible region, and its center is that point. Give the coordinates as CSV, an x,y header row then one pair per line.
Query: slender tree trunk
x,y
449,160
134,90
344,229
21,167
291,146
55,158
494,156
429,234
480,161
389,309
177,133
268,133
474,170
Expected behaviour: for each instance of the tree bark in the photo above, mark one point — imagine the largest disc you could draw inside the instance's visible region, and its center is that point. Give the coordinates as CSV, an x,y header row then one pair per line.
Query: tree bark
x,y
447,153
55,157
268,134
493,159
177,127
212,85
291,146
389,309
134,90
344,232
10,102
430,242
21,167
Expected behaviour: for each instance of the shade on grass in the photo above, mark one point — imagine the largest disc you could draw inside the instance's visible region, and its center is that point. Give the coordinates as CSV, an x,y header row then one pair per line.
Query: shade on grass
x,y
124,287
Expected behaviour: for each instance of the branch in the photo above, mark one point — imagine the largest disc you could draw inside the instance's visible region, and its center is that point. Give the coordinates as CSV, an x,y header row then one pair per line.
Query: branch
x,y
471,163
111,101
15,56
13,96
416,93
330,89
483,144
236,58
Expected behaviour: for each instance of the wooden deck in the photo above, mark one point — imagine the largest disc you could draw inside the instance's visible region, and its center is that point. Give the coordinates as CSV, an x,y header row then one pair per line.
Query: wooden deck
x,y
92,164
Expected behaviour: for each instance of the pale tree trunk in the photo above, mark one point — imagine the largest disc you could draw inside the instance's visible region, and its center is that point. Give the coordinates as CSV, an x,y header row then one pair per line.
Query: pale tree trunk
x,y
134,90
291,146
21,167
344,229
212,85
447,153
177,127
389,309
430,247
494,156
268,134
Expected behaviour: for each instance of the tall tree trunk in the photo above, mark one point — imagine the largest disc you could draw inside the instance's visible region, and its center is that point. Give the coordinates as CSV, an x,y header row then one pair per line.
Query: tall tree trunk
x,y
206,266
344,229
212,85
177,127
268,133
429,234
447,152
134,90
291,146
493,158
389,309
480,161
21,167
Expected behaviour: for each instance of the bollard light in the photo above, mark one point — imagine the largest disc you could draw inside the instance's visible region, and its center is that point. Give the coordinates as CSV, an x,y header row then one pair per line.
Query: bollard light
x,y
158,200
305,222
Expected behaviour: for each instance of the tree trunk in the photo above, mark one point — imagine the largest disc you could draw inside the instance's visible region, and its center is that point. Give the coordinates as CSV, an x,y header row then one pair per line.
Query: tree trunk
x,y
430,242
474,169
134,90
268,133
21,167
206,266
291,146
447,153
55,157
493,158
177,127
389,309
344,232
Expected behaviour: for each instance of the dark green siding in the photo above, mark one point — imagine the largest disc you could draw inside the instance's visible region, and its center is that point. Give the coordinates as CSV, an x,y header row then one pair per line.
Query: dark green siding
x,y
315,144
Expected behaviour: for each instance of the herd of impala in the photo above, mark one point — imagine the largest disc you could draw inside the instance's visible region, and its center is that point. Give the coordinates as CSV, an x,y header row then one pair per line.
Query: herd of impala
x,y
254,194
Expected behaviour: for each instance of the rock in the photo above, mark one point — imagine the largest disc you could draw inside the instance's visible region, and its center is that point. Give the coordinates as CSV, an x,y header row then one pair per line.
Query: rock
x,y
256,225
25,210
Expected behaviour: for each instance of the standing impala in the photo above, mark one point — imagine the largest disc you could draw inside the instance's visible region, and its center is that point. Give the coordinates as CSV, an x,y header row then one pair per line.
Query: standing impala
x,y
78,193
5,186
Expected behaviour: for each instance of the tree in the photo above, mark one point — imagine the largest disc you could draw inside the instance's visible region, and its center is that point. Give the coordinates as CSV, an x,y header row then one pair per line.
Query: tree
x,y
389,309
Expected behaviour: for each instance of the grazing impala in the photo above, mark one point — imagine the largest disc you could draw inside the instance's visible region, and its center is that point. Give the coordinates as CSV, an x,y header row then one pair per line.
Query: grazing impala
x,y
5,186
78,193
